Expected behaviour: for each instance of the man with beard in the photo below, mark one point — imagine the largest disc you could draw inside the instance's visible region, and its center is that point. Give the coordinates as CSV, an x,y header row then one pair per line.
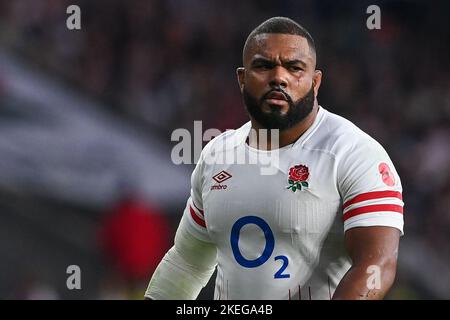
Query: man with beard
x,y
325,225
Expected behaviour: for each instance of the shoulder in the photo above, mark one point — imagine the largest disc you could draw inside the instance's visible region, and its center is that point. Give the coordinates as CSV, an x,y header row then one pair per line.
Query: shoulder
x,y
341,137
213,154
227,140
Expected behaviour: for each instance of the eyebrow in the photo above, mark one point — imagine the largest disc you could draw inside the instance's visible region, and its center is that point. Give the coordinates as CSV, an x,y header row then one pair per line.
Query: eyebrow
x,y
271,62
295,61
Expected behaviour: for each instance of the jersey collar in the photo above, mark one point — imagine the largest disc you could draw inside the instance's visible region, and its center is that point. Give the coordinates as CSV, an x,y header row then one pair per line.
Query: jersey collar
x,y
244,131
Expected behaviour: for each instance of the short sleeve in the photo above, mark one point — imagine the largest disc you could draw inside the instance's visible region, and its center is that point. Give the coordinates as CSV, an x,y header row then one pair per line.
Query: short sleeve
x,y
194,212
370,187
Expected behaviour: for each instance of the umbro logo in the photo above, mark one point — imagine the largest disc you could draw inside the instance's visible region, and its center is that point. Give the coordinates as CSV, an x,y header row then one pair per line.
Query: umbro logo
x,y
222,176
219,178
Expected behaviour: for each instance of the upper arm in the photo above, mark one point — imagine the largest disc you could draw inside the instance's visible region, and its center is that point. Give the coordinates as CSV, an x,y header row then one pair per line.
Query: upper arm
x,y
373,246
369,186
373,251
194,213
372,212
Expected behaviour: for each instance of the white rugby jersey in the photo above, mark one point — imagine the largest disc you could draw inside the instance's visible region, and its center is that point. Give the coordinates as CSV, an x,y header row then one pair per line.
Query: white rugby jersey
x,y
281,236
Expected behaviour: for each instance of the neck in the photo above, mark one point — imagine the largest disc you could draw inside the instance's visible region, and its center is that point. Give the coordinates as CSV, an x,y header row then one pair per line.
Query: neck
x,y
287,136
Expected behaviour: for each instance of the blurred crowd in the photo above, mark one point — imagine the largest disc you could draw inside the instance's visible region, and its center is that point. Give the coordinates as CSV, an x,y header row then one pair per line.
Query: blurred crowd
x,y
164,64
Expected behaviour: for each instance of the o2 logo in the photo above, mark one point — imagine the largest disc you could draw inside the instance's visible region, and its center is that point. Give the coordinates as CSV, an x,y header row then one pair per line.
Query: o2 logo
x,y
268,249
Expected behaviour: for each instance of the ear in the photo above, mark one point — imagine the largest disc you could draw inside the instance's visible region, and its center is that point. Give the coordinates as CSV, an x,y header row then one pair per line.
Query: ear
x,y
240,72
317,80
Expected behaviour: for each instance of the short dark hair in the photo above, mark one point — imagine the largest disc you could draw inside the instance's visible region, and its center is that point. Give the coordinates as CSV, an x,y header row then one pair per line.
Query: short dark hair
x,y
281,25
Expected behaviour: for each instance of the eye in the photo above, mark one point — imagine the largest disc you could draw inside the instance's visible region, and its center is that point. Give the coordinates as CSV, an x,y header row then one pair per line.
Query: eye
x,y
295,68
263,66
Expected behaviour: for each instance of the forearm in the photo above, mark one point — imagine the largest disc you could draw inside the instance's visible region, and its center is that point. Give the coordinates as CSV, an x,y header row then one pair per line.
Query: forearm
x,y
174,280
366,282
184,270
169,281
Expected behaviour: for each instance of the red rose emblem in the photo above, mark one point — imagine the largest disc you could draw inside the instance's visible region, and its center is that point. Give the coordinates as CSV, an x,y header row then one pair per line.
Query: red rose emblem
x,y
297,178
299,173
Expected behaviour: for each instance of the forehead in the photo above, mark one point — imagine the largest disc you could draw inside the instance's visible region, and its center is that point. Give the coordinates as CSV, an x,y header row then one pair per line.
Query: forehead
x,y
279,46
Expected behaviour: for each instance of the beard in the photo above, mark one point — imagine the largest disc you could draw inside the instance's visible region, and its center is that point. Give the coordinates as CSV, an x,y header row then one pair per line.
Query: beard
x,y
275,119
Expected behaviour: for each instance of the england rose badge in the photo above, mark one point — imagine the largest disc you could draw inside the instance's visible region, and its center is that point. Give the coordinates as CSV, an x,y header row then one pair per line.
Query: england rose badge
x,y
298,176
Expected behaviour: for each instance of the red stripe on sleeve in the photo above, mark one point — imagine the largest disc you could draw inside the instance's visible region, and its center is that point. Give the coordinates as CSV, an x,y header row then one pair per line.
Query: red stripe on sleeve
x,y
200,210
197,218
373,195
373,208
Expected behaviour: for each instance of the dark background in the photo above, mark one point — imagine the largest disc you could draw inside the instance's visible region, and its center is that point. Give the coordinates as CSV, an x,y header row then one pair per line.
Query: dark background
x,y
86,118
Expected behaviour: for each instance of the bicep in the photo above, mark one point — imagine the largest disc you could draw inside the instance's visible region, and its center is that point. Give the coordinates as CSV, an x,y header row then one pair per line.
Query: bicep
x,y
373,251
376,245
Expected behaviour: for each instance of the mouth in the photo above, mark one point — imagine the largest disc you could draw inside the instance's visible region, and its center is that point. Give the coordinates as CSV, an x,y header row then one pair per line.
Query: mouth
x,y
275,98
276,102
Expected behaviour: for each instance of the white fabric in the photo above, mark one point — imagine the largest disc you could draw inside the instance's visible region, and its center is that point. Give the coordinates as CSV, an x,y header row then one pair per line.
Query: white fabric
x,y
185,269
273,243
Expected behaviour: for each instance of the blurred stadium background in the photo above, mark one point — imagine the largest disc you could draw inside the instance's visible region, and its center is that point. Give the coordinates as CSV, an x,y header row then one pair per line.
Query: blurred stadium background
x,y
86,118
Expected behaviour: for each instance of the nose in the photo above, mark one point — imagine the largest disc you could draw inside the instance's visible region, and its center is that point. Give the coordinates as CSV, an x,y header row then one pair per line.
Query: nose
x,y
278,77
